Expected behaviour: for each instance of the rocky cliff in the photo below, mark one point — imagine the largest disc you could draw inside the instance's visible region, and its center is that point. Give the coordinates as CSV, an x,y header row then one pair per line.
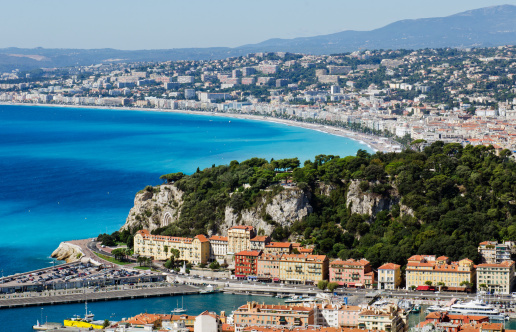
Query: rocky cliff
x,y
290,205
368,203
155,209
67,252
162,207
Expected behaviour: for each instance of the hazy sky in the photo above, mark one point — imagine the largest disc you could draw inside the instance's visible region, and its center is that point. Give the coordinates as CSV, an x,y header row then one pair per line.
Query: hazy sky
x,y
153,24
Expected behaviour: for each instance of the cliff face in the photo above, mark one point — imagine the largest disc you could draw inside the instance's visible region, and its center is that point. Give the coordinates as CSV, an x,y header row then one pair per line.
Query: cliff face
x,y
161,208
368,203
155,209
288,206
67,252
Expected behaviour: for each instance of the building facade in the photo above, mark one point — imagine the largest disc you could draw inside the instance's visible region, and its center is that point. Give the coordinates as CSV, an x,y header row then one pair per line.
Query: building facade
x,y
269,314
195,250
246,263
352,273
239,238
422,270
492,252
218,248
303,268
496,278
389,276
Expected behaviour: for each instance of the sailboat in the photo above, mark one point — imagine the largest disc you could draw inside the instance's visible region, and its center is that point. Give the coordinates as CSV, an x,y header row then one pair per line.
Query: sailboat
x,y
179,310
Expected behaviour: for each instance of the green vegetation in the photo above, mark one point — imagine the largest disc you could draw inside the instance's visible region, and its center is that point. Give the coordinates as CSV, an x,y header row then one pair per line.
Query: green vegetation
x,y
322,284
441,199
142,267
111,260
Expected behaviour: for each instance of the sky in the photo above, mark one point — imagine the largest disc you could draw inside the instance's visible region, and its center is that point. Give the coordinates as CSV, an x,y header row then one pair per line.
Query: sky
x,y
166,24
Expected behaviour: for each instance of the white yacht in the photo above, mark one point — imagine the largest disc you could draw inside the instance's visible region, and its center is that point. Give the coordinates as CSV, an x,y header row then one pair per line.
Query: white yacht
x,y
475,307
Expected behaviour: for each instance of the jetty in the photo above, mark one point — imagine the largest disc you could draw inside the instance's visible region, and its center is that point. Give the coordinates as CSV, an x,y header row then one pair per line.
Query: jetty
x,y
26,300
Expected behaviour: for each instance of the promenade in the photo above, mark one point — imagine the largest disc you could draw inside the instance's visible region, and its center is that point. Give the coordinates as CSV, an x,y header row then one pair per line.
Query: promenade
x,y
108,294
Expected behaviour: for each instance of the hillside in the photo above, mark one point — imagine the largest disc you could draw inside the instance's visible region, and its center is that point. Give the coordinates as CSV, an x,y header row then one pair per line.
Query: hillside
x,y
443,200
490,26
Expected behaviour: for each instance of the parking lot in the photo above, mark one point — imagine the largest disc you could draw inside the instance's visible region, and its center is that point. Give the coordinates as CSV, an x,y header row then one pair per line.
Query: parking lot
x,y
68,276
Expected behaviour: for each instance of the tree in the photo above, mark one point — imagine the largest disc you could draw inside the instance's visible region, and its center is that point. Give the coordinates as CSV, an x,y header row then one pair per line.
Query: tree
x,y
119,253
106,323
428,283
172,177
322,284
141,260
332,286
214,265
482,286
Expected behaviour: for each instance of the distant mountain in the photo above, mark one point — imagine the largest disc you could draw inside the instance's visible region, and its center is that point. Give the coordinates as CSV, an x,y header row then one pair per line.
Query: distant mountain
x,y
490,26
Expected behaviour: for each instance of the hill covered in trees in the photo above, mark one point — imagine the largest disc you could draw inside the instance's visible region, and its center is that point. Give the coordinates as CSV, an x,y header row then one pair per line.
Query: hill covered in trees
x,y
441,199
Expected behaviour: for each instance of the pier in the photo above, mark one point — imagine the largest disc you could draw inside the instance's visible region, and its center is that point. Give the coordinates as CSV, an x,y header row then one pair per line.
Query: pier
x,y
38,299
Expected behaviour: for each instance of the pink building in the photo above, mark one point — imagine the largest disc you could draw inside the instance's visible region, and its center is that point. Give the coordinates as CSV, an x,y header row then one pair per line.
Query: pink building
x,y
268,267
352,273
348,315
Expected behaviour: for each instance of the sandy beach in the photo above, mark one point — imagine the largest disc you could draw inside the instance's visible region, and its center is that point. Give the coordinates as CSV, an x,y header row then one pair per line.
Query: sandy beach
x,y
375,143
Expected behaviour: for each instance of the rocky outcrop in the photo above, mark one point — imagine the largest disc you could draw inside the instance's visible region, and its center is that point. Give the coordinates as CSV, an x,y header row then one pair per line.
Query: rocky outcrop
x,y
155,209
286,207
368,203
67,252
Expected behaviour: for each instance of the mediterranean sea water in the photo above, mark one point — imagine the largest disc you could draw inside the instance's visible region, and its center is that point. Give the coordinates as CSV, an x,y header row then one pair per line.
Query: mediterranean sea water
x,y
72,173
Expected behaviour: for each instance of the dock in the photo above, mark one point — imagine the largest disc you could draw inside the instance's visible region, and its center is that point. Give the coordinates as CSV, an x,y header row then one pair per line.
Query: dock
x,y
15,301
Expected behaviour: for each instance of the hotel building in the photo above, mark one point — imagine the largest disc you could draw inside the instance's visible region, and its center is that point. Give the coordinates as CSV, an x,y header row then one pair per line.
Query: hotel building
x,y
440,271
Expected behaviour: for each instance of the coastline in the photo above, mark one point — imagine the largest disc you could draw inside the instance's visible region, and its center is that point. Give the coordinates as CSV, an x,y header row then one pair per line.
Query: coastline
x,y
373,142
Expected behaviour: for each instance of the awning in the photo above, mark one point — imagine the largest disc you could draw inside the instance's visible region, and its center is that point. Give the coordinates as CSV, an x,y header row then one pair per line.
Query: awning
x,y
251,277
240,276
275,279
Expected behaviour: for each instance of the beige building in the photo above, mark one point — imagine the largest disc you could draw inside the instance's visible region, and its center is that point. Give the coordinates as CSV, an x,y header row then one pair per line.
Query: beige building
x,y
278,248
239,238
389,276
492,252
440,271
218,248
259,242
303,268
496,278
195,250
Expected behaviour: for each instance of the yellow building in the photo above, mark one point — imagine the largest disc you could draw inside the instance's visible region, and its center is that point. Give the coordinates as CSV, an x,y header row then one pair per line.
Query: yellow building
x,y
440,271
196,250
239,238
303,268
496,278
389,276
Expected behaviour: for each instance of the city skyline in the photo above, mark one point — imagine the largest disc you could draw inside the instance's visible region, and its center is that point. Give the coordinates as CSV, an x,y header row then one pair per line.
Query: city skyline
x,y
166,25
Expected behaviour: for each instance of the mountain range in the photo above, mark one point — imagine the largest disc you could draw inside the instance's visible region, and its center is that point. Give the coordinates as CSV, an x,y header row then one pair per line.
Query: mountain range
x,y
490,26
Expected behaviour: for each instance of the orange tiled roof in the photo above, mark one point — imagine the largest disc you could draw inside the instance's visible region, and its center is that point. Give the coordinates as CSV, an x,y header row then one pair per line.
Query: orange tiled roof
x,y
218,238
389,266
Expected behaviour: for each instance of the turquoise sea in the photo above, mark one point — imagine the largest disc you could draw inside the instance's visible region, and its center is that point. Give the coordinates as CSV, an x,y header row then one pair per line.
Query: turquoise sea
x,y
71,173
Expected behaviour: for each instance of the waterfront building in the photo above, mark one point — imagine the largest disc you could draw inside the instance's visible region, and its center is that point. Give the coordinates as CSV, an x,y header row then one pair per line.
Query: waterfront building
x,y
257,314
239,238
195,250
422,269
303,268
218,248
492,252
268,266
352,273
386,318
246,263
389,276
496,278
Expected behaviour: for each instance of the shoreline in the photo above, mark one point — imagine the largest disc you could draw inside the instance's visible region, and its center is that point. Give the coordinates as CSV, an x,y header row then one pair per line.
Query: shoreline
x,y
373,142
